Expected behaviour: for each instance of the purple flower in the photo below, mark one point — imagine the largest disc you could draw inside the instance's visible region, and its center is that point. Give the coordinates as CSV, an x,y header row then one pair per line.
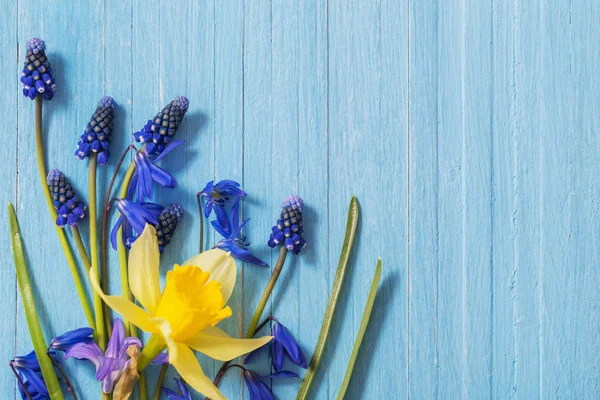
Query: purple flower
x,y
289,226
147,171
70,338
282,345
185,392
234,241
98,132
217,195
257,388
158,132
134,217
161,359
38,77
110,364
69,208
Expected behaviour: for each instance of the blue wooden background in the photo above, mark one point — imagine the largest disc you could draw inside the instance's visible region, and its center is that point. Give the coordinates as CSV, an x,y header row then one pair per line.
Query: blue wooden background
x,y
467,129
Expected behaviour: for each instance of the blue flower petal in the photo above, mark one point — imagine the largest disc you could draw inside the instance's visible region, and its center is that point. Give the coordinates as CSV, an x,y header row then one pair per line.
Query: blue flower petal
x,y
291,347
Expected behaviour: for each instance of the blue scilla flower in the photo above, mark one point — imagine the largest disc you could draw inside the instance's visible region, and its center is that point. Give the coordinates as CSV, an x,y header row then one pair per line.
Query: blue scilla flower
x,y
98,132
69,208
38,77
217,195
147,172
133,219
70,338
289,225
27,368
167,223
183,389
257,388
283,345
158,132
234,241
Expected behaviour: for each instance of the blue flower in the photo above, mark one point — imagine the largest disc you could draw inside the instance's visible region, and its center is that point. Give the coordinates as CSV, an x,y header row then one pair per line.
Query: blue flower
x,y
167,223
158,132
185,392
69,208
134,218
147,171
110,364
234,241
289,226
38,77
27,368
70,338
282,345
98,132
217,195
257,388
28,361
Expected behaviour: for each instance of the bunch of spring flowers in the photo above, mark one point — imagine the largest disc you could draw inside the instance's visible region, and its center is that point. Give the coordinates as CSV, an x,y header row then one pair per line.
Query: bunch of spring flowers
x,y
180,317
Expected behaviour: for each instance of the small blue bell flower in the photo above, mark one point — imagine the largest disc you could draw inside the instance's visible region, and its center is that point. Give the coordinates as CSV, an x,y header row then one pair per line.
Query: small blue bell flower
x,y
158,132
257,388
70,338
98,132
289,226
183,389
134,218
167,223
217,195
69,208
147,172
38,77
27,368
234,241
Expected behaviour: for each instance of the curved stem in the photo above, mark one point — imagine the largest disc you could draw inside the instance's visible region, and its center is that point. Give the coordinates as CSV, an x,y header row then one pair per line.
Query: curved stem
x,y
67,381
21,383
104,238
100,328
259,309
39,144
81,247
159,382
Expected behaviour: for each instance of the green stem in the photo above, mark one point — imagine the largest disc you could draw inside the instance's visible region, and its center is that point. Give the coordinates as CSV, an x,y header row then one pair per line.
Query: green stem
x,y
259,309
98,311
159,382
351,225
81,248
155,345
33,322
361,331
39,144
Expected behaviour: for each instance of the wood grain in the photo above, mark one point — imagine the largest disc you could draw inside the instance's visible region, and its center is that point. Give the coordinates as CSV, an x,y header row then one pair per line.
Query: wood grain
x,y
467,130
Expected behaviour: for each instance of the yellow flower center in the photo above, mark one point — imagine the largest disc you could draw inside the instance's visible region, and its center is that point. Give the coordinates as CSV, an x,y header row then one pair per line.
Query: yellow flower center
x,y
190,302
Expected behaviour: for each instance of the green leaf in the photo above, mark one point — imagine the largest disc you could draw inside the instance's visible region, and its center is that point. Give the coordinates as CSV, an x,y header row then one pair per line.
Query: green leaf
x,y
351,224
33,322
361,330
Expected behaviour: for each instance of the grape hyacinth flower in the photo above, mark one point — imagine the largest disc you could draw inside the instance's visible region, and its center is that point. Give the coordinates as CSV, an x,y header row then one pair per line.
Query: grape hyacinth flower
x,y
69,208
158,132
38,77
98,132
217,195
257,388
147,171
289,226
133,219
71,338
183,389
167,223
234,241
110,364
282,345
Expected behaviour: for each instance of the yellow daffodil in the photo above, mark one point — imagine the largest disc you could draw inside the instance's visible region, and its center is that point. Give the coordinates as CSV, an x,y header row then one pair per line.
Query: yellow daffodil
x,y
183,316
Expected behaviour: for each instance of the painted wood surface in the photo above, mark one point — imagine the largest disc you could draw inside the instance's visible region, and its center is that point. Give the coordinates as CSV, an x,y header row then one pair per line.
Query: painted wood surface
x,y
468,130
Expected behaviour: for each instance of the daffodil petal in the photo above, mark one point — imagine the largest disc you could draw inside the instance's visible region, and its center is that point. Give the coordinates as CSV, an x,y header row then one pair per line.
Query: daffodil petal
x,y
217,344
144,260
185,362
129,310
221,267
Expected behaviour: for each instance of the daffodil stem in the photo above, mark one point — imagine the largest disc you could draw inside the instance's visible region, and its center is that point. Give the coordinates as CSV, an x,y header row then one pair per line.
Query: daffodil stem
x,y
104,238
159,382
41,163
143,388
155,345
92,198
260,308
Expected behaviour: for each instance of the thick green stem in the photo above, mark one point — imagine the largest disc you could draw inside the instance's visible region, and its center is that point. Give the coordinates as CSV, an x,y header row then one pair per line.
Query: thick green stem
x,y
155,345
39,144
98,311
259,309
81,248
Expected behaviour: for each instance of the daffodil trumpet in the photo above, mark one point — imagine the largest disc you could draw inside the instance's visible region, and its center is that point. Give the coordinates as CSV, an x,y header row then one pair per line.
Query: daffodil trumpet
x,y
183,316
